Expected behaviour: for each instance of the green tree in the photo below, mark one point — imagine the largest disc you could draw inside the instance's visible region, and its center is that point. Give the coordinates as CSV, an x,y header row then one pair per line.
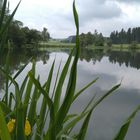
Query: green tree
x,y
33,36
99,39
45,34
15,34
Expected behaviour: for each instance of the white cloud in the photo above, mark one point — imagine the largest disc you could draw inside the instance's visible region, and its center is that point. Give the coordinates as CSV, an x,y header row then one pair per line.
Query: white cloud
x,y
57,16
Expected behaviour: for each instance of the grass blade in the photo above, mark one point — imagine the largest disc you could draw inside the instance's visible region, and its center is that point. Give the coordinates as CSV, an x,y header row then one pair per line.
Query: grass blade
x,y
17,92
123,130
41,121
23,86
72,124
3,13
28,90
61,82
50,104
6,110
10,100
83,89
21,69
105,95
72,80
32,110
4,134
9,20
84,127
20,121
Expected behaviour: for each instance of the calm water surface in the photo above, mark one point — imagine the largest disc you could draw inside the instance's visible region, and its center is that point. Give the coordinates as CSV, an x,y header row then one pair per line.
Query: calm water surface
x,y
111,67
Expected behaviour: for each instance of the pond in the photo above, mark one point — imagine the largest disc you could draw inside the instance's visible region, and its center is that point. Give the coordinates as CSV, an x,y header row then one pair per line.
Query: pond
x,y
112,67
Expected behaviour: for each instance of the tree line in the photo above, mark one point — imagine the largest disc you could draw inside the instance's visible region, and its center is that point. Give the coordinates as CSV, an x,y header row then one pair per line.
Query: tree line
x,y
126,37
18,35
87,39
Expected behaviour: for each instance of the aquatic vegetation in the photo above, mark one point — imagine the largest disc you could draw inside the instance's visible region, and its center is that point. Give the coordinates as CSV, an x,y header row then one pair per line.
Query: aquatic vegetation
x,y
52,120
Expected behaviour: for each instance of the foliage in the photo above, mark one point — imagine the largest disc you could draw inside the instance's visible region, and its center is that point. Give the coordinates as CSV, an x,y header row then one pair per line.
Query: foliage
x,y
89,39
23,99
108,42
4,23
45,34
126,37
18,35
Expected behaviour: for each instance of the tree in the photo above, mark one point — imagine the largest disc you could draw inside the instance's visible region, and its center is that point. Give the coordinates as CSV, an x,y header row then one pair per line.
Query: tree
x,y
82,40
33,36
126,37
99,40
129,36
15,34
89,39
45,34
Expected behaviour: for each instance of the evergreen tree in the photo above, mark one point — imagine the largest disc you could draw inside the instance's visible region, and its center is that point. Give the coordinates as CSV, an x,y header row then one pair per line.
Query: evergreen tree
x,y
126,37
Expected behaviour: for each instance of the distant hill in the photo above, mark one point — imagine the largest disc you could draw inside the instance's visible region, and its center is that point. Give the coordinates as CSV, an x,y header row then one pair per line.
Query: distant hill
x,y
70,39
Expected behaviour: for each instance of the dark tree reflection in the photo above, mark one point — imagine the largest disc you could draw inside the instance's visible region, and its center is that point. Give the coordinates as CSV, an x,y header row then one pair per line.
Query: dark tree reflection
x,y
17,58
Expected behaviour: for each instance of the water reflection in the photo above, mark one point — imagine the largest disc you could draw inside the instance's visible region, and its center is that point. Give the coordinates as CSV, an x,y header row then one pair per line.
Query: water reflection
x,y
17,58
110,67
129,58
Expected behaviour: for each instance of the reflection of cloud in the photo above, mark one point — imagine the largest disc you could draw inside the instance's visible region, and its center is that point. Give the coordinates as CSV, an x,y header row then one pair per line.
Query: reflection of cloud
x,y
111,113
111,73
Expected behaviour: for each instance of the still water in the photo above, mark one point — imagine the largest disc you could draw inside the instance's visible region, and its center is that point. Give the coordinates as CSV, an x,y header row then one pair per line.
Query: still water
x,y
112,67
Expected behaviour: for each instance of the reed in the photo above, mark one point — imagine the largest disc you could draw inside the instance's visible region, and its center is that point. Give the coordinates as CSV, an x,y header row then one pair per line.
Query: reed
x,y
19,117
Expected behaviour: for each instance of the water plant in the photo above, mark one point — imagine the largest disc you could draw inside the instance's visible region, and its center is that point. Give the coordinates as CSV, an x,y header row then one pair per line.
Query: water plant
x,y
19,116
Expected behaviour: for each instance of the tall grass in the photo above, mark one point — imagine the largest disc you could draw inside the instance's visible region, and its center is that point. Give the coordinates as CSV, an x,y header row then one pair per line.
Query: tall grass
x,y
5,22
21,119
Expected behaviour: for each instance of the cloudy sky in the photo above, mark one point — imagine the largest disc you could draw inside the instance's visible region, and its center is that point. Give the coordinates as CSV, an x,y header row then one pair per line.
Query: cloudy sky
x,y
57,16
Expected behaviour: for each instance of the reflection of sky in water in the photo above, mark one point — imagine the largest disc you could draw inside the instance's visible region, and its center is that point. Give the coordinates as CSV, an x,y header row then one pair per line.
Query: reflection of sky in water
x,y
109,115
129,76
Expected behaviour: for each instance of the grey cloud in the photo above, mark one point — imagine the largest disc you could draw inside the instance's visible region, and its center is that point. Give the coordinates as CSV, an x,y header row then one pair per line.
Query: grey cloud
x,y
103,15
102,9
95,10
90,10
129,1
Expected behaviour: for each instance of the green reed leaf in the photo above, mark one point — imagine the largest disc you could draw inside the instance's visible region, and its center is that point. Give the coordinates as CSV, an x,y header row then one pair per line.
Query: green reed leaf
x,y
33,105
72,81
62,78
72,124
3,13
124,128
83,89
4,134
29,90
6,110
9,20
41,121
84,127
20,122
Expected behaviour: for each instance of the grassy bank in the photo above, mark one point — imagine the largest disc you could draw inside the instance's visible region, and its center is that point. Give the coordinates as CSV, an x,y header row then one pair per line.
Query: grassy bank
x,y
117,47
125,46
56,44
